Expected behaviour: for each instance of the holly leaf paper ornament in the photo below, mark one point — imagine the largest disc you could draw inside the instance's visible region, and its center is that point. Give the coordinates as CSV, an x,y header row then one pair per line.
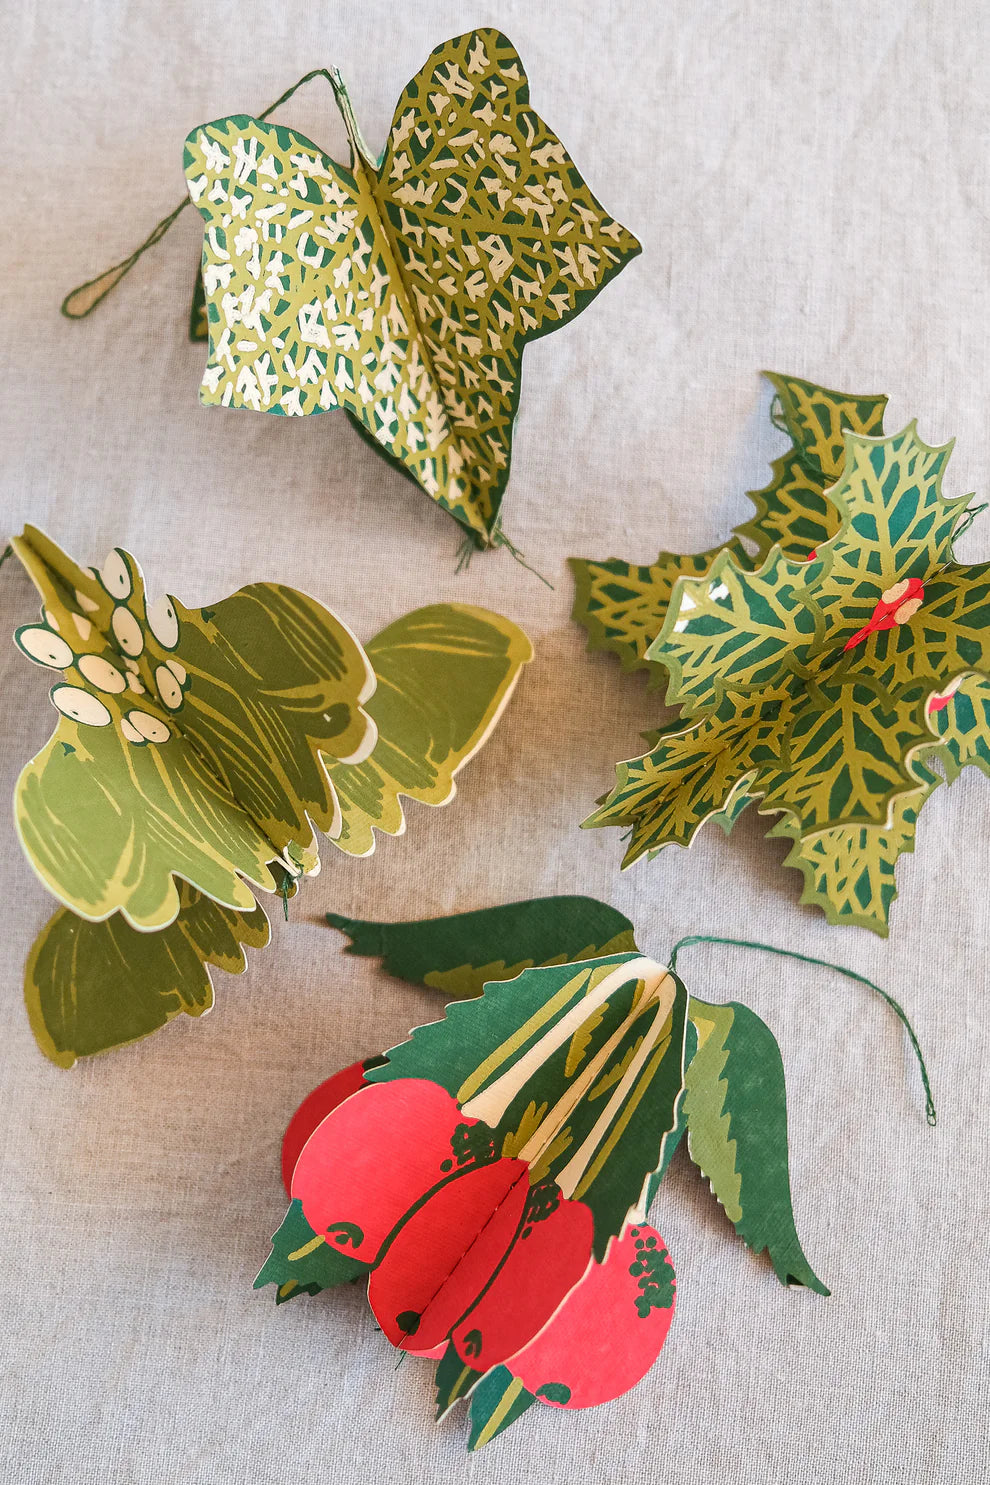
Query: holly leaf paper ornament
x,y
401,288
492,1176
197,754
822,686
621,605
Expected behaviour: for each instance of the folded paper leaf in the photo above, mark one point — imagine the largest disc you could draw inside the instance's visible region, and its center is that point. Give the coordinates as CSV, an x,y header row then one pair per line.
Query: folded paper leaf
x,y
746,1089
735,1110
459,955
445,675
822,683
491,1175
402,289
93,986
197,749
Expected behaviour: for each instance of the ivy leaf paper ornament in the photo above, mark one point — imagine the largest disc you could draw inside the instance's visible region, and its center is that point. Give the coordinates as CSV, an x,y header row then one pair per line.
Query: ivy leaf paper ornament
x,y
401,288
492,1177
197,753
822,678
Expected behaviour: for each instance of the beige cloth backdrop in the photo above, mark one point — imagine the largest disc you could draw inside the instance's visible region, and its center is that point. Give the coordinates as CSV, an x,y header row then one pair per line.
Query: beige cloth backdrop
x,y
810,185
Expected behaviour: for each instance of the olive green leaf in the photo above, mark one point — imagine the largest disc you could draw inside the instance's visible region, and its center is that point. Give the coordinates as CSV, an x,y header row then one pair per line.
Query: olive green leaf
x,y
402,289
459,955
736,1114
815,687
90,987
445,674
195,751
622,606
192,743
303,1261
576,1068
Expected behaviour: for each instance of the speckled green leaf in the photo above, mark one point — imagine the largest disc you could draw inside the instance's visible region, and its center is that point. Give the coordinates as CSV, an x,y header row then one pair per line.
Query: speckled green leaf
x,y
402,289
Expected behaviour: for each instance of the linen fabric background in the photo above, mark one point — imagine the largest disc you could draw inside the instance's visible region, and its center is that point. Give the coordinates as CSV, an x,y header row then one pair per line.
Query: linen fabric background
x,y
810,185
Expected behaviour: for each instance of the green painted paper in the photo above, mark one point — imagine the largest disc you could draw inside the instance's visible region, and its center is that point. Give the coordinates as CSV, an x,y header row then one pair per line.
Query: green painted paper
x,y
402,289
736,1112
445,674
622,605
497,1400
303,1262
195,751
459,955
578,1065
791,699
191,742
453,1380
90,987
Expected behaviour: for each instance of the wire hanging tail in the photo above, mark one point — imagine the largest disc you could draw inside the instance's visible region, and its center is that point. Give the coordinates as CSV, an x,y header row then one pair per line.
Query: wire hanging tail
x,y
850,974
81,301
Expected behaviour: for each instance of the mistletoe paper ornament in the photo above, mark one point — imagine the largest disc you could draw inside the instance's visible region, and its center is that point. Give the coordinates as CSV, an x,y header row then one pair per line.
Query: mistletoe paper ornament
x,y
828,678
491,1177
197,754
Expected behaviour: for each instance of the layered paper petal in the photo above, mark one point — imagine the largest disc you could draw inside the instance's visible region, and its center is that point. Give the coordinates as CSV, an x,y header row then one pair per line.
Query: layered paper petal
x,y
372,1159
445,1254
610,1329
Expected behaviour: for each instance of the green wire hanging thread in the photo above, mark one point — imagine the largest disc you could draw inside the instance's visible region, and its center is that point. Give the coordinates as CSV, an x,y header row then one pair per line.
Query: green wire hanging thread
x,y
850,974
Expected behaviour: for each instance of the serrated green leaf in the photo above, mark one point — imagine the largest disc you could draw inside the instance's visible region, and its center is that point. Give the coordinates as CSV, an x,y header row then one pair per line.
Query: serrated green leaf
x,y
303,1261
963,727
90,987
462,953
849,871
621,605
809,683
736,1112
402,289
794,510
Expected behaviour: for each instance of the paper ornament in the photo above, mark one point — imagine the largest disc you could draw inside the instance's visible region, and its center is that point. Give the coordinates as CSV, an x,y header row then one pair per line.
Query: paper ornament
x,y
491,1178
197,754
829,678
403,287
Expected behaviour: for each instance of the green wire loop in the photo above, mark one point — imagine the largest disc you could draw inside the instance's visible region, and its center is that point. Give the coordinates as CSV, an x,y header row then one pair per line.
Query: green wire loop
x,y
745,943
82,300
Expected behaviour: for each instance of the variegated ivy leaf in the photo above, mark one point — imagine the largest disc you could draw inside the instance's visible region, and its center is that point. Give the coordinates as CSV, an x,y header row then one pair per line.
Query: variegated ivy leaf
x,y
622,606
402,289
816,686
191,742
